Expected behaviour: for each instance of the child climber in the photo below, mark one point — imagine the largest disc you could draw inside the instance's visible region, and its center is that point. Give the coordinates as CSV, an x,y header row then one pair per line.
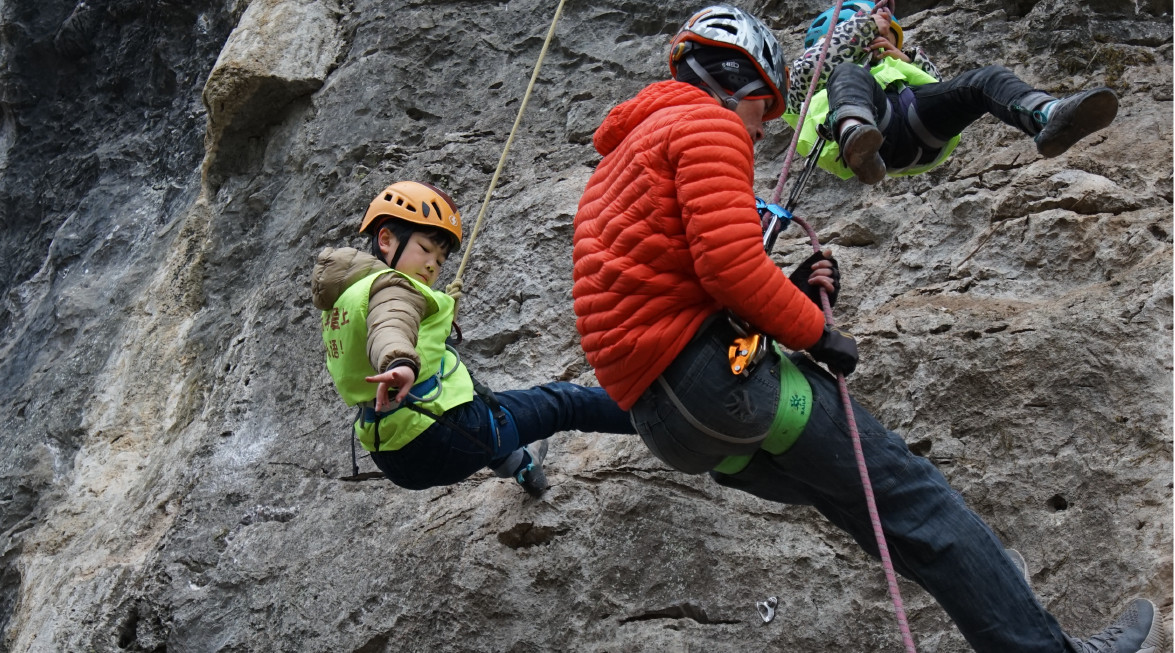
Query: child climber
x,y
887,111
425,421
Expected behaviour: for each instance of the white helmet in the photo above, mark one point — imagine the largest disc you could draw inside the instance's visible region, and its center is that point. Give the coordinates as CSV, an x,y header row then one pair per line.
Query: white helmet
x,y
723,26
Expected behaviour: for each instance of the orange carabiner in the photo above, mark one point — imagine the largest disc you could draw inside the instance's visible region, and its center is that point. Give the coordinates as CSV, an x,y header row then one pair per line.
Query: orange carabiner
x,y
745,352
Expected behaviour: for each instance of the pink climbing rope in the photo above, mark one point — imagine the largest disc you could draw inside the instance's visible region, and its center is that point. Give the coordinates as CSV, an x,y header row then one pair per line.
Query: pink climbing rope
x,y
795,138
870,501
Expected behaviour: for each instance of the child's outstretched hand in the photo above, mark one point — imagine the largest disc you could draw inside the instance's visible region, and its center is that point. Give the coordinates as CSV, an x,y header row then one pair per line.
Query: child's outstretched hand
x,y
399,379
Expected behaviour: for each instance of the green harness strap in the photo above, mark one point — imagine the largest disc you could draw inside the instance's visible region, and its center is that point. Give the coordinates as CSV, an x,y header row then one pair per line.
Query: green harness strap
x,y
791,415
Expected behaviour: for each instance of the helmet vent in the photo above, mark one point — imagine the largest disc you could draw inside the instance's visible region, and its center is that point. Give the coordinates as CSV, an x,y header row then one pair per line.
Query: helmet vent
x,y
387,197
424,209
437,209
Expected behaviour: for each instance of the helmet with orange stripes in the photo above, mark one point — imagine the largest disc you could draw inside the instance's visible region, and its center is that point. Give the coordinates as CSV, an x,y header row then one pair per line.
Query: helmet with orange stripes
x,y
729,28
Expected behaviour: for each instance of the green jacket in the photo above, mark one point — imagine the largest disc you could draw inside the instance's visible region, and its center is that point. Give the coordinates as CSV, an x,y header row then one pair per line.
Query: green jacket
x,y
346,335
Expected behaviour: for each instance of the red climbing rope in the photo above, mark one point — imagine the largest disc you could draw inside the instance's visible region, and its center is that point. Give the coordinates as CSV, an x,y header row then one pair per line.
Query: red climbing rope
x,y
870,502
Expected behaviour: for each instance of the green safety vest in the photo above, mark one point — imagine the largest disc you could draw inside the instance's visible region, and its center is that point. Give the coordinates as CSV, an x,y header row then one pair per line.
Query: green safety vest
x,y
344,332
888,71
791,415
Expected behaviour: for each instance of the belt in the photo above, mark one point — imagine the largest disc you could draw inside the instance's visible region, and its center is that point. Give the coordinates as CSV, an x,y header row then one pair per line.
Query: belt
x,y
417,393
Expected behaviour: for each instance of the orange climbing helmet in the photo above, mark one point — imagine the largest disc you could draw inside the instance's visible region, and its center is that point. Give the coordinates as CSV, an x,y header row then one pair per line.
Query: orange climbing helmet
x,y
417,203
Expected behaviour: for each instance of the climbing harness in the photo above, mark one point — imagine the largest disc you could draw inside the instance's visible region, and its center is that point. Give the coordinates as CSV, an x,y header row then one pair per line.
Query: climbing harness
x,y
456,285
500,416
423,392
427,390
870,501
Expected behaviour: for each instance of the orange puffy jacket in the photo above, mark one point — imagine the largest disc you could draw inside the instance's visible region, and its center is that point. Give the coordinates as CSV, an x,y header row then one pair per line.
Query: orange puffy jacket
x,y
667,235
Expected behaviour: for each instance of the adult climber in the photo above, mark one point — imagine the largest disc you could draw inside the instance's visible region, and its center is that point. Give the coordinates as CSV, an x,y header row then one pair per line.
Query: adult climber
x,y
672,286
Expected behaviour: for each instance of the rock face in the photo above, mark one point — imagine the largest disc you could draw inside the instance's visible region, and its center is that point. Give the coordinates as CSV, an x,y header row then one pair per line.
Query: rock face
x,y
177,472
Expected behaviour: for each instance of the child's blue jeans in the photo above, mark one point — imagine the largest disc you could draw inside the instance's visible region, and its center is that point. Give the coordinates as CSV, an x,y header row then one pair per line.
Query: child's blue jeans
x,y
444,454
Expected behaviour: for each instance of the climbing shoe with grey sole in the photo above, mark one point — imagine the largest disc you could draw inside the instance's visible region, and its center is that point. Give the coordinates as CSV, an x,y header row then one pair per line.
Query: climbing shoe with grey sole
x,y
1021,565
532,478
1073,118
1137,630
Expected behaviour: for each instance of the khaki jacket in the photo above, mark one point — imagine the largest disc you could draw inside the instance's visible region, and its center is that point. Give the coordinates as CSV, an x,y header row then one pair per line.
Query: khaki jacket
x,y
395,308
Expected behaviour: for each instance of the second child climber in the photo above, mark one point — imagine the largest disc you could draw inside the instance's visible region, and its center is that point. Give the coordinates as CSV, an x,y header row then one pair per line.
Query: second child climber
x,y
887,111
424,419
670,272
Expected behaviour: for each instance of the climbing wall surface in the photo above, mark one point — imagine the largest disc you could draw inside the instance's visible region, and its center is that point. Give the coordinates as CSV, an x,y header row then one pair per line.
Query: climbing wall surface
x,y
177,471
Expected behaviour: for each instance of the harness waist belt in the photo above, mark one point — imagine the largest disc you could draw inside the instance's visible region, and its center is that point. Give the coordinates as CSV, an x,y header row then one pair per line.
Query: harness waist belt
x,y
419,390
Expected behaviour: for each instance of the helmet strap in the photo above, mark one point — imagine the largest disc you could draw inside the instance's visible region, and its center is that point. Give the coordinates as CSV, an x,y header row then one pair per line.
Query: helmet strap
x,y
399,252
728,101
402,237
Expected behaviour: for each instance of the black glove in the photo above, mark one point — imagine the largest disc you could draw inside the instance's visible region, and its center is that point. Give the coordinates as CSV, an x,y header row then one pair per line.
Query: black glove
x,y
837,350
800,278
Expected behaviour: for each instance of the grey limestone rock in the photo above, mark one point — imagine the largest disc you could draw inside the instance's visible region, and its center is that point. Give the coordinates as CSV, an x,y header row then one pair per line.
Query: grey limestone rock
x,y
177,471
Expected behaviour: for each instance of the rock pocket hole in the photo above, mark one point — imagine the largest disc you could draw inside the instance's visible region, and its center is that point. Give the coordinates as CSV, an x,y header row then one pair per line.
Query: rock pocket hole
x,y
1058,503
687,610
525,535
128,629
921,447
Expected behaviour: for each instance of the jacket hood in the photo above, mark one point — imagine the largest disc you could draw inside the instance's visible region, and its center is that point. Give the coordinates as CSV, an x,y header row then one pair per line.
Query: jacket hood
x,y
336,270
623,119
